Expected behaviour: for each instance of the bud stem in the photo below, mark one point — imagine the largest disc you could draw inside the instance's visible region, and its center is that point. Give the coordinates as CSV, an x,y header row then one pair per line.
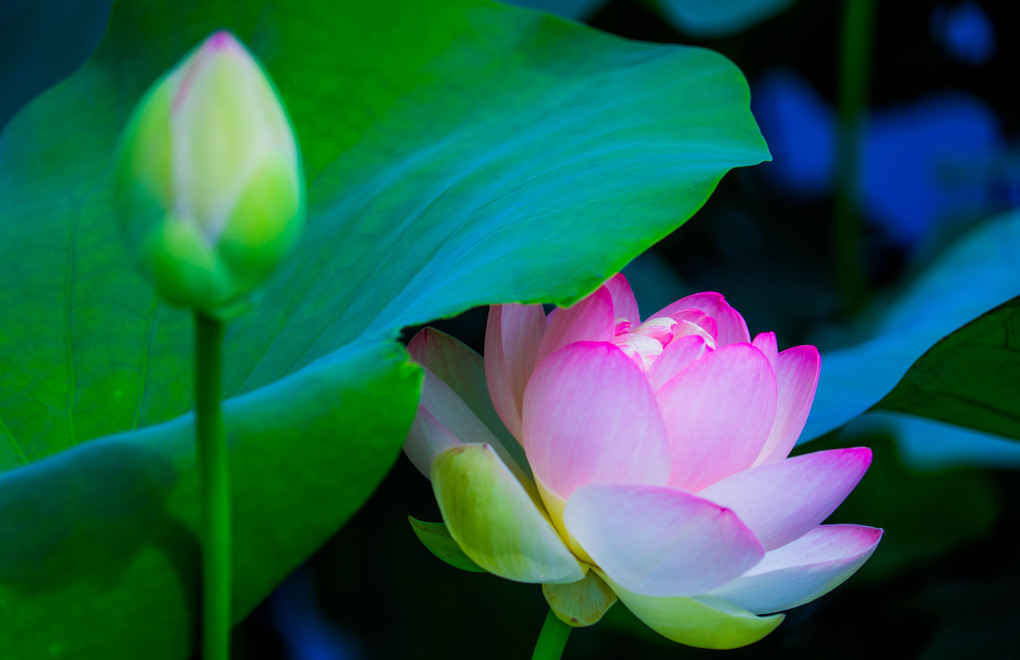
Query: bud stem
x,y
215,485
552,639
854,80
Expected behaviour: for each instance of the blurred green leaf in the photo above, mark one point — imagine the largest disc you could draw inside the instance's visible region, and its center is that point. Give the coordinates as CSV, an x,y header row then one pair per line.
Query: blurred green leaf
x,y
979,272
970,378
457,153
41,42
702,18
719,18
99,552
927,445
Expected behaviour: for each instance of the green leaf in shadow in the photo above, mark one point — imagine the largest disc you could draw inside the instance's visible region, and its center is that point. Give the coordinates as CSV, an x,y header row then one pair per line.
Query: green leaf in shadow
x,y
969,378
719,18
436,537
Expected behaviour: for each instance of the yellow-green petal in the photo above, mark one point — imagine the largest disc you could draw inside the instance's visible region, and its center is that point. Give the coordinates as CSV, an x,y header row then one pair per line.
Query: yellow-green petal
x,y
495,521
581,603
705,622
185,268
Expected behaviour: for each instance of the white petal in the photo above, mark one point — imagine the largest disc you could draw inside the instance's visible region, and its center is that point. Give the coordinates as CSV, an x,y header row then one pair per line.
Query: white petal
x,y
658,541
782,501
803,570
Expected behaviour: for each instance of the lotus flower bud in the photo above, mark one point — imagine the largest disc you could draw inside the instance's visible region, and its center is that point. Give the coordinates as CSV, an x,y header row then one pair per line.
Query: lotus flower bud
x,y
209,185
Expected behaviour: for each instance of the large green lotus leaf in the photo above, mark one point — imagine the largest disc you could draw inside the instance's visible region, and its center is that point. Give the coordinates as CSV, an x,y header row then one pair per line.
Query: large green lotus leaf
x,y
979,272
970,378
457,153
99,544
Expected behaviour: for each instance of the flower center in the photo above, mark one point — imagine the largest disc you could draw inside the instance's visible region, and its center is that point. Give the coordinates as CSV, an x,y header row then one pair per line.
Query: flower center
x,y
645,343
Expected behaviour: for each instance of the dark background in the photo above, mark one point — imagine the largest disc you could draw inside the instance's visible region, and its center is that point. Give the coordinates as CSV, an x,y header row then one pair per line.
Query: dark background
x,y
940,143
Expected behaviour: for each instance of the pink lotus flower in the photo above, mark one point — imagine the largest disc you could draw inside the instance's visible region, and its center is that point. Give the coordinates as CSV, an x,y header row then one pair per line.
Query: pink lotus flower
x,y
646,461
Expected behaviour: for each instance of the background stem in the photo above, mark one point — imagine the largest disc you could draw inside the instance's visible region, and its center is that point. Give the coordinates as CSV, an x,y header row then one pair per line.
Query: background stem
x,y
552,639
215,484
854,78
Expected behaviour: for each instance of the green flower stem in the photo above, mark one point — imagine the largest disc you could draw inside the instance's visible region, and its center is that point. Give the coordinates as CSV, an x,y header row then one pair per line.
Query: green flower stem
x,y
214,477
552,639
854,77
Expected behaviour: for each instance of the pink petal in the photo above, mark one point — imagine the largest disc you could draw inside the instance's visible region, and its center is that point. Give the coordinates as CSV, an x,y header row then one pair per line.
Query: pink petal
x,y
643,350
463,370
590,319
718,412
426,440
695,322
450,410
782,501
803,570
624,304
658,541
677,356
512,338
797,371
590,416
732,328
444,420
442,354
766,343
659,329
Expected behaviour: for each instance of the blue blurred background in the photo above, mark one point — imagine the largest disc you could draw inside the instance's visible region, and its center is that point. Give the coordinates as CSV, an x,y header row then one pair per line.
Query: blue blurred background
x,y
938,158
